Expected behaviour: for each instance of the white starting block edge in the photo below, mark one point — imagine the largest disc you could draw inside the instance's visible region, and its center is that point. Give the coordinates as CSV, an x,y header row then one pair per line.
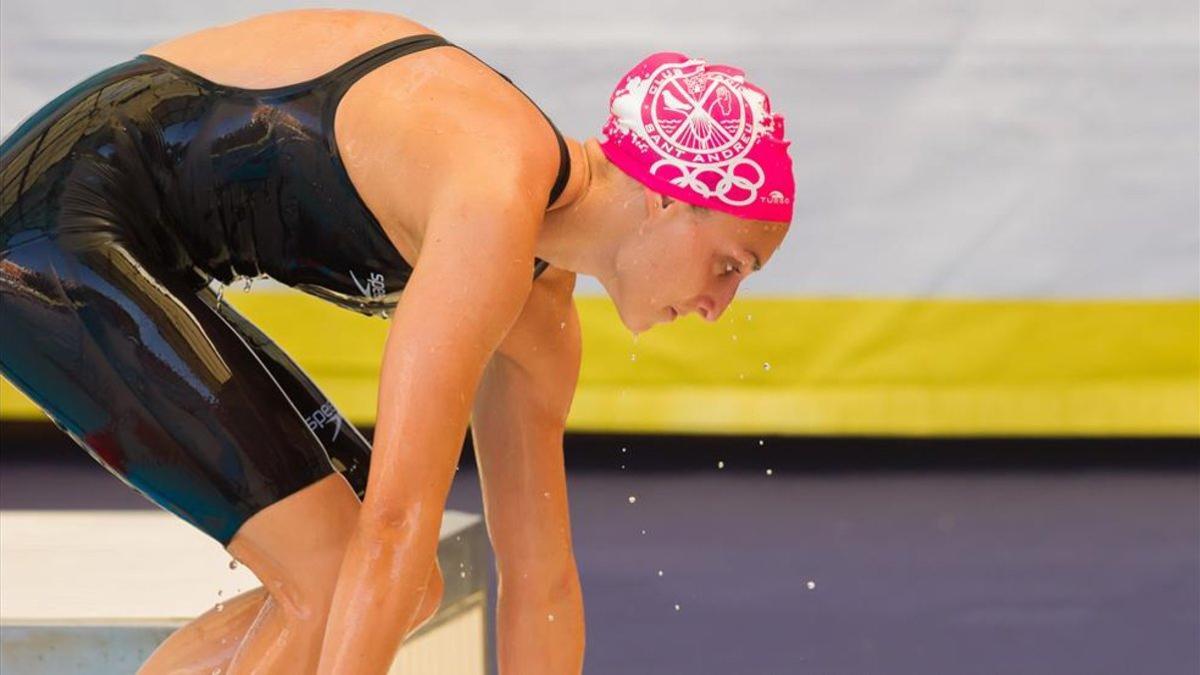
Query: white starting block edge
x,y
96,591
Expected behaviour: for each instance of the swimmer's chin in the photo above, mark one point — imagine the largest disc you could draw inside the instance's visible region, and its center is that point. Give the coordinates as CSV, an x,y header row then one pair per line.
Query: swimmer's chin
x,y
638,327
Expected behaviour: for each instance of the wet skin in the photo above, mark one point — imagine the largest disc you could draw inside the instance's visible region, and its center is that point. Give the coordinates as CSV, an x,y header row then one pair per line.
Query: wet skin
x,y
460,190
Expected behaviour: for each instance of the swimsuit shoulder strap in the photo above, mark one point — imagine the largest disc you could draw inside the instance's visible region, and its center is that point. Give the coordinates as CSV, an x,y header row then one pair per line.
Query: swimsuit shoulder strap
x,y
339,79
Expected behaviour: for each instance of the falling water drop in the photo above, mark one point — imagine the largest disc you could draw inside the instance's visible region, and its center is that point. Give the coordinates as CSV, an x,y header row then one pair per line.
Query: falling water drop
x,y
624,449
660,573
632,357
760,442
811,585
462,575
643,532
632,499
676,607
766,366
721,464
749,317
551,616
769,472
735,337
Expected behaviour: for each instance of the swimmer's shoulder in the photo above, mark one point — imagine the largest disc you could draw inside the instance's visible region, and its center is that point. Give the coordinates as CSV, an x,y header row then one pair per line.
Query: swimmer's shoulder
x,y
439,129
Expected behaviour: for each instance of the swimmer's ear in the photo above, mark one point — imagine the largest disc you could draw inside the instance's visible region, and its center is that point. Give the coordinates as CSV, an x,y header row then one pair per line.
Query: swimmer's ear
x,y
654,201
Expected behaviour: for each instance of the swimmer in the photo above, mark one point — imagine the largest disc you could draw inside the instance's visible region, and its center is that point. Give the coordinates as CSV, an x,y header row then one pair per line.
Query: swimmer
x,y
367,160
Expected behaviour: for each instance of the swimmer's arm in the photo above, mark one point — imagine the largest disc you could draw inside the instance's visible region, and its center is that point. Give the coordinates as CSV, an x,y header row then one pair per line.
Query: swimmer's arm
x,y
466,291
517,425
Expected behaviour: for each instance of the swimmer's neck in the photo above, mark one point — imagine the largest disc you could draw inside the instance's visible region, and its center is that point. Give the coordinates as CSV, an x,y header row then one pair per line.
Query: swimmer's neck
x,y
583,230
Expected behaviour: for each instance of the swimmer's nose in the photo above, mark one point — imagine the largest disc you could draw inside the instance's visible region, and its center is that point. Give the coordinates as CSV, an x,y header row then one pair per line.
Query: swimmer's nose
x,y
712,309
708,309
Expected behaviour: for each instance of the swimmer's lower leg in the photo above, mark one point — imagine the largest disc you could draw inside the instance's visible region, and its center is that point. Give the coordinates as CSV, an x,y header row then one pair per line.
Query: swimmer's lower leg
x,y
210,641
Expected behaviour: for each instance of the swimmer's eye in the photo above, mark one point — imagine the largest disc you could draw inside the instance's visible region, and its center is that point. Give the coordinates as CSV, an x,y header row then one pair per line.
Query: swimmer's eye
x,y
730,267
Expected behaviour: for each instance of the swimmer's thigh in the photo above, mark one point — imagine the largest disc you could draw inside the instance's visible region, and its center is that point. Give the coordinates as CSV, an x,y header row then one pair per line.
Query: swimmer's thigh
x,y
155,385
348,449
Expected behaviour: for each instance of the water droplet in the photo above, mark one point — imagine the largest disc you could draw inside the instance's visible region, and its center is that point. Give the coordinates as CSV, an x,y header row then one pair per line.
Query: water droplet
x,y
462,575
643,532
741,376
233,564
546,495
562,325
551,616
383,313
633,357
769,472
811,585
760,442
632,499
735,338
677,607
766,366
749,317
660,573
220,607
624,449
720,464
622,466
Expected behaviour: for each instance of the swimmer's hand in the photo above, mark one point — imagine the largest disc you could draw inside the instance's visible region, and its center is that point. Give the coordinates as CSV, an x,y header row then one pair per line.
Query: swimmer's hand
x,y
472,278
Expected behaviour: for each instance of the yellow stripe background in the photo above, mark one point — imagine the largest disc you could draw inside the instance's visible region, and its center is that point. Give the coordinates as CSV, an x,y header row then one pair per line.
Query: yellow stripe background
x,y
824,366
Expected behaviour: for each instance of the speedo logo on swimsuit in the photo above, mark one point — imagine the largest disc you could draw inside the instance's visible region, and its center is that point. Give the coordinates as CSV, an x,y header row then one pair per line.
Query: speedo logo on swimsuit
x,y
323,416
374,287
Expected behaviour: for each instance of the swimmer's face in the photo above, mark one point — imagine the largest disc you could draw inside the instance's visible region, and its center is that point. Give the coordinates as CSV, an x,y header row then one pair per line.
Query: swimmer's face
x,y
686,259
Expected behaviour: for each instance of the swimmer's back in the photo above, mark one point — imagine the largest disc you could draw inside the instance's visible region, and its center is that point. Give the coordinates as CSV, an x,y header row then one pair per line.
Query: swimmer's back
x,y
403,147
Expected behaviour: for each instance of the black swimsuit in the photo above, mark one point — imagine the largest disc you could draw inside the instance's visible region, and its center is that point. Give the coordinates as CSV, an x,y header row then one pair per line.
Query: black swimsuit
x,y
120,201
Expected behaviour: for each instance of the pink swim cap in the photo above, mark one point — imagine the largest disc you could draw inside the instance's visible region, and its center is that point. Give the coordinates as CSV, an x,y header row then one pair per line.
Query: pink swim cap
x,y
701,133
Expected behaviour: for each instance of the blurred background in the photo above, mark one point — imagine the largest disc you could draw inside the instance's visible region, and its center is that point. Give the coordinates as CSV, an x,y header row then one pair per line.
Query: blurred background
x,y
951,428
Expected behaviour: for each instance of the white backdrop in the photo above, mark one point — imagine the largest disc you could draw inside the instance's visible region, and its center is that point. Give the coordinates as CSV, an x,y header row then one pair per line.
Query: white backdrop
x,y
943,148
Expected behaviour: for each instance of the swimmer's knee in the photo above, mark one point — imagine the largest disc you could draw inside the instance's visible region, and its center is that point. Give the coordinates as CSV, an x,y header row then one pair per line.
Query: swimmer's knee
x,y
296,545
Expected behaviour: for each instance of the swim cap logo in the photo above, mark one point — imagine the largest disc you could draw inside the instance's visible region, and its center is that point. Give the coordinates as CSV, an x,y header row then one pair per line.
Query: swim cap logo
x,y
701,133
702,123
776,197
